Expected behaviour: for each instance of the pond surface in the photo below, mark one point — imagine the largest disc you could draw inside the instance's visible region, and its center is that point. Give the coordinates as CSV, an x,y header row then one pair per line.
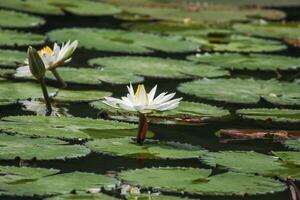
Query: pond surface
x,y
195,134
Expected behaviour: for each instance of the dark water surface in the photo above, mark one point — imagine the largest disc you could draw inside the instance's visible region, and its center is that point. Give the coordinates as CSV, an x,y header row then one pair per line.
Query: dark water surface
x,y
202,135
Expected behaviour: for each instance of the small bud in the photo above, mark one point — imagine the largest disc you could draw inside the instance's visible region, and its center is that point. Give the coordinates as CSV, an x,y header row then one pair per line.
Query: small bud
x,y
36,64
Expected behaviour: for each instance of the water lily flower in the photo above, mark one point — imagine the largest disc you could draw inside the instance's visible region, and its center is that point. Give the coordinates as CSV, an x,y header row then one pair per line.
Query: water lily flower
x,y
52,59
143,103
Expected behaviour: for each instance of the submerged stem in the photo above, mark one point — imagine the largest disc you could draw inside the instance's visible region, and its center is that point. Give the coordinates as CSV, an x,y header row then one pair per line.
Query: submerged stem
x,y
46,96
143,128
294,191
58,78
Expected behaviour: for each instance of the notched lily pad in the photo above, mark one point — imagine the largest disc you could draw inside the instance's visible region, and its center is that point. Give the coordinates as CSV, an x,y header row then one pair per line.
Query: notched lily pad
x,y
248,62
66,127
14,38
10,58
200,181
247,91
12,19
122,41
40,148
151,149
268,114
186,112
155,67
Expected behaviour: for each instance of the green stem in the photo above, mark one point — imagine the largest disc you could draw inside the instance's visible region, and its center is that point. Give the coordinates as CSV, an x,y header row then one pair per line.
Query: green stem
x,y
58,78
143,128
46,96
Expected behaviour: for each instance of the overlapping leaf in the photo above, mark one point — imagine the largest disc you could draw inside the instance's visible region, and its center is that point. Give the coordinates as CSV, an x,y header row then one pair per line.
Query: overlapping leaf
x,y
122,41
14,38
244,90
11,19
10,58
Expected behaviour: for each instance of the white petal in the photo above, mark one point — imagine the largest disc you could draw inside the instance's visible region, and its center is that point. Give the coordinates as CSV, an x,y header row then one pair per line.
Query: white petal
x,y
164,99
23,71
151,94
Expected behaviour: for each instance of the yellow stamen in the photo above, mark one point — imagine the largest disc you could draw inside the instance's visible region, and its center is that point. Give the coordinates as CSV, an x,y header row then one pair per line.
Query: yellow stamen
x,y
139,89
46,49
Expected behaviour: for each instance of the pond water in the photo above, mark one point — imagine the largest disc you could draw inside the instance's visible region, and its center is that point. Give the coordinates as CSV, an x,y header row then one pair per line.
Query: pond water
x,y
196,134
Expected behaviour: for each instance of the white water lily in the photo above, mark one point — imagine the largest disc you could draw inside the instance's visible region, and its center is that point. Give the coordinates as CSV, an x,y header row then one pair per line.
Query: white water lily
x,y
144,102
51,58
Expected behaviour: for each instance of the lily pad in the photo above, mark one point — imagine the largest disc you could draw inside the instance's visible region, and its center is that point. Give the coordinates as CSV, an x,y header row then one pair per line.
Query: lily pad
x,y
40,109
11,92
66,127
58,7
290,157
186,112
274,114
10,58
39,148
58,184
14,38
201,14
293,143
248,62
80,95
122,41
12,19
246,91
151,149
251,162
155,67
152,197
83,196
200,181
280,30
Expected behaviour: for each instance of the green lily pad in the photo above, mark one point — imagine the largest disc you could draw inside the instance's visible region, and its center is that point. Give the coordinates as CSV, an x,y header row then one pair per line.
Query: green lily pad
x,y
11,92
94,76
251,162
152,197
151,149
122,41
199,181
39,148
14,38
280,30
80,95
203,15
186,112
7,72
15,175
248,62
66,127
155,67
290,157
245,91
83,196
12,19
58,184
274,114
40,109
58,7
293,143
10,58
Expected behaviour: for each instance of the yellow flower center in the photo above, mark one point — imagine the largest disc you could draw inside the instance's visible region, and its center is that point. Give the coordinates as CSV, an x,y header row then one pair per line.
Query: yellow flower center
x,y
46,49
139,89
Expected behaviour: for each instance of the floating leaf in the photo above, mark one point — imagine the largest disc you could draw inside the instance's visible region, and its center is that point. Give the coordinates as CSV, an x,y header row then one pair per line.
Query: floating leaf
x,y
12,19
248,62
66,127
39,148
58,7
151,149
7,72
293,144
244,90
10,58
152,197
14,38
186,112
40,109
199,181
274,114
288,157
250,162
122,41
155,67
83,196
58,184
80,95
11,92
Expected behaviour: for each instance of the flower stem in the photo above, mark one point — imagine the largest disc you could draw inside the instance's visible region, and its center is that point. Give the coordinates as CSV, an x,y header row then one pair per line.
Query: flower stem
x,y
143,128
46,96
59,79
294,191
